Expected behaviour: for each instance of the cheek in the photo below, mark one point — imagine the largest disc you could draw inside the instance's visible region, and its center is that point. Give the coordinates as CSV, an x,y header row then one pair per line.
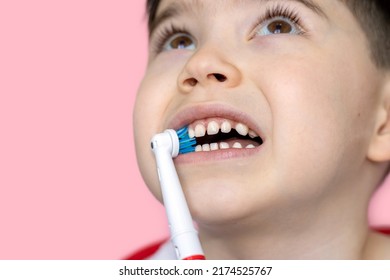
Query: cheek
x,y
321,112
143,129
148,113
155,98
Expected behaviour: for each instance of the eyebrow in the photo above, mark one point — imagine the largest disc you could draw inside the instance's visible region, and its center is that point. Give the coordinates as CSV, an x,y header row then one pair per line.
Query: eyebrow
x,y
313,6
175,9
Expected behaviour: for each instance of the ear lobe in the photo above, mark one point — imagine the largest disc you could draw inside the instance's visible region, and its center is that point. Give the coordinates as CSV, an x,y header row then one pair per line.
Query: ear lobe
x,y
379,149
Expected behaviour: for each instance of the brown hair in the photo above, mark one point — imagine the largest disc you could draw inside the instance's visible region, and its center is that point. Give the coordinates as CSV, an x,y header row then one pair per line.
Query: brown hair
x,y
372,15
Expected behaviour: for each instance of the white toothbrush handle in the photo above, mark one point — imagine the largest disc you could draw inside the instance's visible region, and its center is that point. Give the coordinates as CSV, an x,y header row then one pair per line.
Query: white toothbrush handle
x,y
183,233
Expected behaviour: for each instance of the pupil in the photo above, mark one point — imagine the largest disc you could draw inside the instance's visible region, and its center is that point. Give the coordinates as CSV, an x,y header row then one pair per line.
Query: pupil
x,y
278,27
180,43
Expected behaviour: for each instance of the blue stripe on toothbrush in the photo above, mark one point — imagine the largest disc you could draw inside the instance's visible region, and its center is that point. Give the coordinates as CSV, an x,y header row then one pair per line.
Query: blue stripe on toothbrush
x,y
186,144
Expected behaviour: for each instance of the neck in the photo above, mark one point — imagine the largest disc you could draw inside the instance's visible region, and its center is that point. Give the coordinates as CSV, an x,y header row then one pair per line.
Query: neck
x,y
317,230
302,245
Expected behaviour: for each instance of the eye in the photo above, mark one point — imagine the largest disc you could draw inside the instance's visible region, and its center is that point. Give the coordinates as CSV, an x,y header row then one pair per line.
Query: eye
x,y
278,25
179,41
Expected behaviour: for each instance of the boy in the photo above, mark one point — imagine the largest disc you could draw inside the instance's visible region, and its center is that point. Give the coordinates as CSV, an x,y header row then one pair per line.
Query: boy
x,y
295,95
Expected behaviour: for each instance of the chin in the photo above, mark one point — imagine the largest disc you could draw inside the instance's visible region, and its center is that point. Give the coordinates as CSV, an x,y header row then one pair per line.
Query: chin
x,y
221,202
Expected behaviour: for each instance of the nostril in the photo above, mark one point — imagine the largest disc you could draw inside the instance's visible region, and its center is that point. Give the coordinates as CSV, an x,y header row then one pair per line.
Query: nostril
x,y
219,77
191,81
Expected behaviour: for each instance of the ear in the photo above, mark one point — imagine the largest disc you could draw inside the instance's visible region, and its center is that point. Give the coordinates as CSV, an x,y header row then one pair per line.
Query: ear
x,y
379,149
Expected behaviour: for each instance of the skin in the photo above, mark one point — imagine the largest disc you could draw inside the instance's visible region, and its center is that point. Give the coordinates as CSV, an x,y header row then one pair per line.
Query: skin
x,y
323,107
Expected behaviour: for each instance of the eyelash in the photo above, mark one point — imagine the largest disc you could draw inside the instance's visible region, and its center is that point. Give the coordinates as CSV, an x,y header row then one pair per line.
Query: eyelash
x,y
163,34
278,10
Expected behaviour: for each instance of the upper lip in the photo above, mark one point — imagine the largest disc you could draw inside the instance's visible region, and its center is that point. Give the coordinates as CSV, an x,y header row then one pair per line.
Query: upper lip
x,y
192,113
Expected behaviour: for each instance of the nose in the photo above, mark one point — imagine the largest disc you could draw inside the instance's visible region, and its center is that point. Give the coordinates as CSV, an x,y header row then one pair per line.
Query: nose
x,y
208,67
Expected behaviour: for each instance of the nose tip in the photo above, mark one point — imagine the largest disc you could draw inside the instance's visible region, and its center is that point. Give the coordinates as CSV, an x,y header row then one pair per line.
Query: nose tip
x,y
208,67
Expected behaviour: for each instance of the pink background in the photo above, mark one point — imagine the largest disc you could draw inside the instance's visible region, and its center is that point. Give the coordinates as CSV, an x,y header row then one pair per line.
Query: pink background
x,y
69,184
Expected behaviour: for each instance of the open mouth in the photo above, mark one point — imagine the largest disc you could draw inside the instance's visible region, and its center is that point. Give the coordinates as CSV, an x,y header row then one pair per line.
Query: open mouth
x,y
217,133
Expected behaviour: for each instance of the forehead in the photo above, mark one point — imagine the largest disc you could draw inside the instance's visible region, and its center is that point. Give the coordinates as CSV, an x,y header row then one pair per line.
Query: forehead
x,y
170,8
164,9
189,5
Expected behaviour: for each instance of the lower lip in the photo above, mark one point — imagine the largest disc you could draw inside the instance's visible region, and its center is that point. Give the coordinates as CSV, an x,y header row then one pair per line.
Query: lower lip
x,y
218,155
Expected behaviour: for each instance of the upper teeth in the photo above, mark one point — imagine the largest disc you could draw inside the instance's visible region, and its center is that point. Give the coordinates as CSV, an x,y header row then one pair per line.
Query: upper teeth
x,y
200,130
242,129
226,127
212,127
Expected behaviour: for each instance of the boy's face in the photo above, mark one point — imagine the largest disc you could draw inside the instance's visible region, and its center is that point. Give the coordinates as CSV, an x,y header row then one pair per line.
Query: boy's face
x,y
297,73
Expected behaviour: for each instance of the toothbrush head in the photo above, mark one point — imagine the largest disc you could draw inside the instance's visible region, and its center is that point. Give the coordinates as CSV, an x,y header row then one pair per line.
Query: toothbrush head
x,y
186,144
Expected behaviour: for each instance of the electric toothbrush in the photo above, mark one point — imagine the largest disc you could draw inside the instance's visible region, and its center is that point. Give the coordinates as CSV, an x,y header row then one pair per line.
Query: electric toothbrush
x,y
166,146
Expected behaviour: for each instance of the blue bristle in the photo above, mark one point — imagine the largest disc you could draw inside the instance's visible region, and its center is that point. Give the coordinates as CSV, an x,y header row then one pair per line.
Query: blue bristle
x,y
186,144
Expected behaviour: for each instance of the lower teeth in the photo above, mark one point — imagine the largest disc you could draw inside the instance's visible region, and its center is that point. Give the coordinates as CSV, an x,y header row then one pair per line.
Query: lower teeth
x,y
221,146
237,145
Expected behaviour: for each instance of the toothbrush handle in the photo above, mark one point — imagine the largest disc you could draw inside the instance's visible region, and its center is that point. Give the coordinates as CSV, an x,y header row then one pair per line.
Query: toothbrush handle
x,y
183,233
